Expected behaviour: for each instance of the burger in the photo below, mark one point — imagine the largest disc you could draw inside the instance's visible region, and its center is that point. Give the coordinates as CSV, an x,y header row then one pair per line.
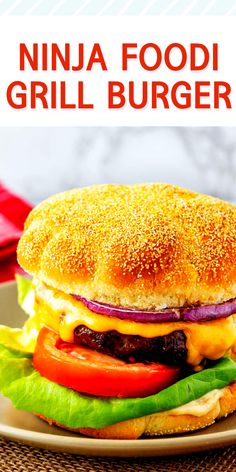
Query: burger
x,y
131,305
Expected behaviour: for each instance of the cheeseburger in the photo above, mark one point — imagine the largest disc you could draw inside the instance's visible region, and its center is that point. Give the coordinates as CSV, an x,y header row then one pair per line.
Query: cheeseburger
x,y
131,310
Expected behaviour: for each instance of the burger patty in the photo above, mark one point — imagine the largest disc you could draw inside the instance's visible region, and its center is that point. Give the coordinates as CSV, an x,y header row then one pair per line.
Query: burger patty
x,y
169,349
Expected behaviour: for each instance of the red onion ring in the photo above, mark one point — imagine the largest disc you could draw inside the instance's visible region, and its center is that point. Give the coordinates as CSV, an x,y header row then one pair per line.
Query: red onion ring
x,y
193,313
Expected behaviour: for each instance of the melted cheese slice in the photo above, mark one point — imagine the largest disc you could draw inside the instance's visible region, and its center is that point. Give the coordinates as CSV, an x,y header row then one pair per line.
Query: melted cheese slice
x,y
212,339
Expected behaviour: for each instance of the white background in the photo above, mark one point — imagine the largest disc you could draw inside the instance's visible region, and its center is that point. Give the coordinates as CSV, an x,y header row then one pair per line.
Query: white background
x,y
37,162
110,32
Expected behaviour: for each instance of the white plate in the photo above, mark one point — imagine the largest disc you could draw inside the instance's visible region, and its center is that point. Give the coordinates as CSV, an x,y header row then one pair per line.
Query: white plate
x,y
24,427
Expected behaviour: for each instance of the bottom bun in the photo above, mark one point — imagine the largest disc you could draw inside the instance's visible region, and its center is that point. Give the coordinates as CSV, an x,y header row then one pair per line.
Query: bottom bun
x,y
162,423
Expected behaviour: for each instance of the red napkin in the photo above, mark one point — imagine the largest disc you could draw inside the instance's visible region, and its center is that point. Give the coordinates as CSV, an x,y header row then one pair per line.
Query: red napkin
x,y
13,212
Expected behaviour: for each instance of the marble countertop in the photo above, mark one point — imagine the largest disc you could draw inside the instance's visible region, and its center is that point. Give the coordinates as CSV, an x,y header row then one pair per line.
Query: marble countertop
x,y
37,162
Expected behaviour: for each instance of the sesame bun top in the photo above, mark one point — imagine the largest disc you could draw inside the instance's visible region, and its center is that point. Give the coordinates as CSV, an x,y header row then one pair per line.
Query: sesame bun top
x,y
144,246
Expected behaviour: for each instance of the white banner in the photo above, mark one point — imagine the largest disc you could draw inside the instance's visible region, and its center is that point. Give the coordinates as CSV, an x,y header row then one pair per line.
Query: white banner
x,y
118,71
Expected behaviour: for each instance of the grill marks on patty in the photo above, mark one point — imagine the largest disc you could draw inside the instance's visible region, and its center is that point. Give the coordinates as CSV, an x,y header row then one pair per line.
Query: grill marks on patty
x,y
168,349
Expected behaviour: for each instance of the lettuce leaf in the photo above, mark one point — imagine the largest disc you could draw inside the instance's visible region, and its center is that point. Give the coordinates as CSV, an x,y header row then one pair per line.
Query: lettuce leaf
x,y
25,294
23,338
28,390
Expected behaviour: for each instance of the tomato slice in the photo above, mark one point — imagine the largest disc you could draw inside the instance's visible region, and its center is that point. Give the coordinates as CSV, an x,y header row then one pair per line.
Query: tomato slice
x,y
88,371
